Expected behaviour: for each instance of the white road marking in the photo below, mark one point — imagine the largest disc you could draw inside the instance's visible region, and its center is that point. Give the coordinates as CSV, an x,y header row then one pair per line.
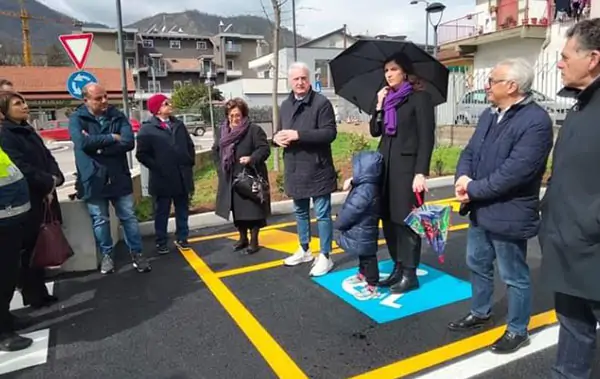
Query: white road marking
x,y
37,353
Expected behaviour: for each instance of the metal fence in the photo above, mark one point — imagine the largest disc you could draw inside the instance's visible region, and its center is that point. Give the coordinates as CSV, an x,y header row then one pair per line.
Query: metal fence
x,y
467,98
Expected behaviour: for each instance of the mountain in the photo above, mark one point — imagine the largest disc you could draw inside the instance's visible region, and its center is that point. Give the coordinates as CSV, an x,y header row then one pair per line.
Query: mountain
x,y
46,25
195,22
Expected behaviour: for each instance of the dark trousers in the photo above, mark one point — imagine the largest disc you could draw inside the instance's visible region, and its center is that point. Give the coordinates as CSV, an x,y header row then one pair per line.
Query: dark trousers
x,y
403,244
32,280
368,266
162,210
11,238
577,337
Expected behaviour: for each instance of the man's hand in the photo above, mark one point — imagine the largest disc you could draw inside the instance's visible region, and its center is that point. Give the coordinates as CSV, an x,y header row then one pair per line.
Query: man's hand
x,y
288,135
347,184
460,189
245,160
117,137
279,141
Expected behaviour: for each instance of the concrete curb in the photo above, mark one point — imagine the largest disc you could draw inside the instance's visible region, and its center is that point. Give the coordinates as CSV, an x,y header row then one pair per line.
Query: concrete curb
x,y
208,219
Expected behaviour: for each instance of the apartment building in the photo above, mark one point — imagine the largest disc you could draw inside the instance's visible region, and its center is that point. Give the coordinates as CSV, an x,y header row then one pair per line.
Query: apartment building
x,y
162,61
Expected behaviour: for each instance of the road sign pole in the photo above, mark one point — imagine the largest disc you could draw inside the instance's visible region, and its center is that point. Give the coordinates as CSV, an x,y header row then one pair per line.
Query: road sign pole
x,y
123,71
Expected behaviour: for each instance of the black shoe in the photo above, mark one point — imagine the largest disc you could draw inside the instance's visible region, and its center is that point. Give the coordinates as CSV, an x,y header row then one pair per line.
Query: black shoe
x,y
140,263
394,277
13,342
39,302
509,343
251,249
409,282
183,244
469,322
162,249
240,245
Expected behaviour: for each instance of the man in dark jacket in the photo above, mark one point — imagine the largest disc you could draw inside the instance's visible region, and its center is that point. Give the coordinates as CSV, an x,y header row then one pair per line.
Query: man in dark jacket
x,y
570,230
498,179
167,150
358,220
305,131
102,136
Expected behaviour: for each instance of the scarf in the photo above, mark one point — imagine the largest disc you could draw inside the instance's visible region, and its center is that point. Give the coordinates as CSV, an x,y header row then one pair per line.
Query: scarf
x,y
393,98
229,138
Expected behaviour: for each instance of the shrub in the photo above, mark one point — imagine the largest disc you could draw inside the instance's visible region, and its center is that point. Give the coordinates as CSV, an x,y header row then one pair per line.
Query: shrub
x,y
358,142
280,183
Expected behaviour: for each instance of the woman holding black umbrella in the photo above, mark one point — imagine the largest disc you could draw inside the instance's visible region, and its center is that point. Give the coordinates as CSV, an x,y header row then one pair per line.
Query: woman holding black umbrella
x,y
404,119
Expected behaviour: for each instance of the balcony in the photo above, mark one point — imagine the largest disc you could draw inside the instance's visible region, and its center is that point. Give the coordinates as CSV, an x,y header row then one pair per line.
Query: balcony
x,y
508,20
157,67
233,48
130,46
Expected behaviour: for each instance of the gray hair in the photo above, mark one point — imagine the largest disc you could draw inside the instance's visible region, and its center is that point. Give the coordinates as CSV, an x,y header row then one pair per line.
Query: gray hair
x,y
520,71
299,66
587,33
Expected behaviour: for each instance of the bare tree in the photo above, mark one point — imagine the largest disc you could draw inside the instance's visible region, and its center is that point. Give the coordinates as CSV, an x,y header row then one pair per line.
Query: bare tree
x,y
277,5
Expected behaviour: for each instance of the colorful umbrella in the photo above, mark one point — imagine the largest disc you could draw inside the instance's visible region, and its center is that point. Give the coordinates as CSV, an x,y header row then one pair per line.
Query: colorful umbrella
x,y
431,222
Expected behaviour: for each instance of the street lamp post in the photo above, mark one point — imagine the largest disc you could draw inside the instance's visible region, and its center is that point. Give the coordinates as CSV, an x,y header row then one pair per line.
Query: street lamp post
x,y
208,82
294,31
123,70
414,2
435,8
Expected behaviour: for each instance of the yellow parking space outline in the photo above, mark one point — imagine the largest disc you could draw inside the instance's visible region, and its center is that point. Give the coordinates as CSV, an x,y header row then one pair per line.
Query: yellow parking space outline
x,y
282,241
454,204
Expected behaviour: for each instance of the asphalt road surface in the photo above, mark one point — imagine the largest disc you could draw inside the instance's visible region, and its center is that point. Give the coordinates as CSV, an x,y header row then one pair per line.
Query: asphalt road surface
x,y
63,153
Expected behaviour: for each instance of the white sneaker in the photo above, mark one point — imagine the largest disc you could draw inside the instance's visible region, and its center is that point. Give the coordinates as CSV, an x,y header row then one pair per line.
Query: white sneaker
x,y
321,266
299,257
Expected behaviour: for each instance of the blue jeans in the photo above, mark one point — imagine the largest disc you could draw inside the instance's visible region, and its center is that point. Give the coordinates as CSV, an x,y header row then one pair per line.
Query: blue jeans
x,y
482,249
322,205
162,209
124,209
577,336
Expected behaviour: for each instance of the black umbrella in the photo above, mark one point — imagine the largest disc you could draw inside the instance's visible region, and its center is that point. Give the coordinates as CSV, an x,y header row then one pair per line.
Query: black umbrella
x,y
357,72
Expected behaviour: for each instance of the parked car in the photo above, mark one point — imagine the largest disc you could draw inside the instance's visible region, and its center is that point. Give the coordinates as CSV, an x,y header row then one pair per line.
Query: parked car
x,y
473,103
194,123
58,130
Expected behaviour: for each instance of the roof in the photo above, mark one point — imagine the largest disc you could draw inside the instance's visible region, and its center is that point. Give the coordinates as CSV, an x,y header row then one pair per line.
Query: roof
x,y
175,36
240,36
37,82
340,31
87,29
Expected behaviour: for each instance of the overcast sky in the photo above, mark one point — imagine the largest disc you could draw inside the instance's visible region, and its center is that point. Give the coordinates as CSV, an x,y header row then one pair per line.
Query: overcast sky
x,y
313,17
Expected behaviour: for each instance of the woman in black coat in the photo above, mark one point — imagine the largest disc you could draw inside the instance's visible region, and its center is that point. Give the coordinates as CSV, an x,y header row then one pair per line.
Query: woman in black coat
x,y
241,145
405,121
27,150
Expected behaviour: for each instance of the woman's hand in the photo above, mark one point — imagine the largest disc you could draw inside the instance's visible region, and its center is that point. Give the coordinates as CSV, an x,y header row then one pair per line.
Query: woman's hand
x,y
245,160
347,185
381,96
419,184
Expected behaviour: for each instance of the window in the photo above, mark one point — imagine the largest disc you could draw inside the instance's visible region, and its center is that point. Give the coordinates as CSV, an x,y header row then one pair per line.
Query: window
x,y
130,63
151,88
206,66
322,72
230,66
176,84
175,44
148,43
201,45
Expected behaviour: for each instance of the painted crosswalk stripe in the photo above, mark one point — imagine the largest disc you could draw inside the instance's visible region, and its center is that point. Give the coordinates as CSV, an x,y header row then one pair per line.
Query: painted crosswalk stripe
x,y
35,355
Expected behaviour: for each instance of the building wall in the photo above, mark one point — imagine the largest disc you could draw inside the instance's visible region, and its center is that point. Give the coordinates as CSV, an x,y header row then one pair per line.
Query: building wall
x,y
167,84
490,54
335,40
103,53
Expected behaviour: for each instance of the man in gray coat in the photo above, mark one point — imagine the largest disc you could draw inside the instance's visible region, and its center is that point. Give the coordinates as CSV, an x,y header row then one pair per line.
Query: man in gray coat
x,y
570,231
305,131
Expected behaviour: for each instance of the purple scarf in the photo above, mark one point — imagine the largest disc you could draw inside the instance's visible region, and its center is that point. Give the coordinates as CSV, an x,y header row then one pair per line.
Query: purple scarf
x,y
229,138
393,98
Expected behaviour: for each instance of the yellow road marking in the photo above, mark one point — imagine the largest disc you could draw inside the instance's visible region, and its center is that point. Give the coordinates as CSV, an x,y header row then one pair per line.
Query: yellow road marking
x,y
285,242
450,201
281,363
451,351
294,242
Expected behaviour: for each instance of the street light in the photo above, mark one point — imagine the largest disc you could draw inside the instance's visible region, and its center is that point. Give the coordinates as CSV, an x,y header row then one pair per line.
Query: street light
x,y
415,2
208,83
435,8
123,71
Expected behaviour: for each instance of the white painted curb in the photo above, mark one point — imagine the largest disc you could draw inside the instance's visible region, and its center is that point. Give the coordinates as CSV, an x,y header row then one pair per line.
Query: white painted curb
x,y
208,219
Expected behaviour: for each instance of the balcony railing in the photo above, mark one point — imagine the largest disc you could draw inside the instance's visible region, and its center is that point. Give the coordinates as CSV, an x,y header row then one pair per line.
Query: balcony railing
x,y
233,48
506,16
130,45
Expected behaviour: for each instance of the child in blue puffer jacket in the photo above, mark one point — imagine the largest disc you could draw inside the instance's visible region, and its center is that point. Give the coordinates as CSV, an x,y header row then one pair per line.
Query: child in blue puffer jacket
x,y
358,220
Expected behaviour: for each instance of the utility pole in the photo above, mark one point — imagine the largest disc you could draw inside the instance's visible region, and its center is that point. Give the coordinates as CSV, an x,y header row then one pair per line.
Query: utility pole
x,y
345,39
123,70
294,31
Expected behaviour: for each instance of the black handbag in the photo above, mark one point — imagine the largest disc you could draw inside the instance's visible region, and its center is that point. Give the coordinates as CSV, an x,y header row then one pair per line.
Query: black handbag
x,y
251,185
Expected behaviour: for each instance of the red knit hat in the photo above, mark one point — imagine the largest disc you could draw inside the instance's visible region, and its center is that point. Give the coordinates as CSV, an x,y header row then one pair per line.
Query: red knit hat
x,y
155,102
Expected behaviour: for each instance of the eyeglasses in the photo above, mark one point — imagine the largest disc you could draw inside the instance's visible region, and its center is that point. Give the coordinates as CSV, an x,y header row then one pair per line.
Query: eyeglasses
x,y
492,81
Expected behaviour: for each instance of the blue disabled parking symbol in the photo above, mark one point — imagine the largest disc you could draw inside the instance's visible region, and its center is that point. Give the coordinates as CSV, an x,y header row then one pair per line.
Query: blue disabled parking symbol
x,y
437,289
77,81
